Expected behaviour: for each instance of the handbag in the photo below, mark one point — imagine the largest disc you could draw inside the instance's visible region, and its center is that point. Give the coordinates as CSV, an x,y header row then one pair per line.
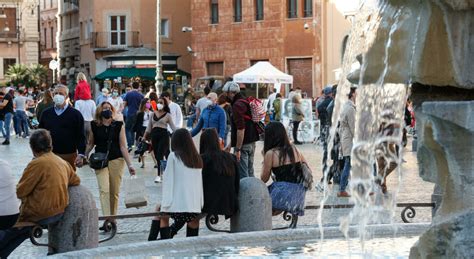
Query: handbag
x,y
100,160
135,192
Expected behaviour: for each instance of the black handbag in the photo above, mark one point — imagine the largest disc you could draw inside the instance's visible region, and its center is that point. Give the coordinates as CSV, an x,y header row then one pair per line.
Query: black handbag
x,y
100,160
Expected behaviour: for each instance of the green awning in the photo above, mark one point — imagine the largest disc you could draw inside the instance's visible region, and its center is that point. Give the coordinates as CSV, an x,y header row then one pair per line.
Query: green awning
x,y
113,73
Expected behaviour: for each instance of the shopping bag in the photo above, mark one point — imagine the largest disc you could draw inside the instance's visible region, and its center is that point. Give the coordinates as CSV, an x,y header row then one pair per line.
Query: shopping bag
x,y
135,192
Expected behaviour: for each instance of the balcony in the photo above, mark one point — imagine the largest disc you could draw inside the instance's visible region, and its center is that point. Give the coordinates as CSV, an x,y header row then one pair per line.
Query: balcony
x,y
112,40
8,35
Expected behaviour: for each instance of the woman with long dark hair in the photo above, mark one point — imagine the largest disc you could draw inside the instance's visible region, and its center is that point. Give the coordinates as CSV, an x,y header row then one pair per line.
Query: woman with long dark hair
x,y
158,130
288,166
182,197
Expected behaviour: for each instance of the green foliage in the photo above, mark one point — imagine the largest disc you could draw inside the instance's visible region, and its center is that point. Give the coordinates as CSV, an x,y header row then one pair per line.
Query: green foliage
x,y
27,75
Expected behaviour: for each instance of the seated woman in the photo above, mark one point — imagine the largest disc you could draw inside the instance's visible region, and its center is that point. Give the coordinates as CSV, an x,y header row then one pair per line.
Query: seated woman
x,y
291,175
9,203
182,198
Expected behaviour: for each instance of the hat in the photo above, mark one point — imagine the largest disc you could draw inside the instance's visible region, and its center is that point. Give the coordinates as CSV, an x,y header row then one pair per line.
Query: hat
x,y
105,90
8,89
231,86
327,90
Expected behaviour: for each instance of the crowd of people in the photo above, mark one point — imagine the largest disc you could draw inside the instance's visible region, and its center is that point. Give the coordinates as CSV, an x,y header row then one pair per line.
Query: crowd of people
x,y
195,181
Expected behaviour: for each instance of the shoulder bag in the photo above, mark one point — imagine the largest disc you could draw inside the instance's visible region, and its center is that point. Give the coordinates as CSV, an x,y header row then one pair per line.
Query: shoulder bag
x,y
100,160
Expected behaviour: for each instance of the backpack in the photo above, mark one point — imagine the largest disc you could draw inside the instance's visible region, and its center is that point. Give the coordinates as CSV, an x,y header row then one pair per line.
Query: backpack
x,y
257,110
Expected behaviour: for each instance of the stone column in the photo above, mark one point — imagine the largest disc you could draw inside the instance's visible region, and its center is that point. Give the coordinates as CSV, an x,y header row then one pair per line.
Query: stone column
x,y
255,207
78,228
446,156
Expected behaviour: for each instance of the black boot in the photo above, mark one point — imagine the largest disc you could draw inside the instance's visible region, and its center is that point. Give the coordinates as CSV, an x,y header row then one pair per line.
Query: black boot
x,y
165,233
154,230
192,232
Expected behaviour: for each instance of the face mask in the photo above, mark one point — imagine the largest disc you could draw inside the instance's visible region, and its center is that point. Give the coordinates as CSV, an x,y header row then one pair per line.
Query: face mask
x,y
30,92
159,106
58,99
106,114
148,106
114,94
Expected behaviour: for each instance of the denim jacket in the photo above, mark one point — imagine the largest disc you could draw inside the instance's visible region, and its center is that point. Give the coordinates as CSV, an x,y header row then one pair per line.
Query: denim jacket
x,y
212,117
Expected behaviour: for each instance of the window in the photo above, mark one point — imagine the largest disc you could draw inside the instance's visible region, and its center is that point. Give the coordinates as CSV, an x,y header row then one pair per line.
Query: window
x,y
89,29
165,28
292,9
7,62
258,10
237,10
117,30
308,8
44,39
52,37
214,12
44,4
51,3
215,68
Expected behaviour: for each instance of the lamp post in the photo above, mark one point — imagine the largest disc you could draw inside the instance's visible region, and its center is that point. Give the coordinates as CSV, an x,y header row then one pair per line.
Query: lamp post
x,y
159,76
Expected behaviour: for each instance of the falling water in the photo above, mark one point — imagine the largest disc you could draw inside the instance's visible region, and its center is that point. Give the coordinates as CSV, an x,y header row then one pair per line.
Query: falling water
x,y
377,104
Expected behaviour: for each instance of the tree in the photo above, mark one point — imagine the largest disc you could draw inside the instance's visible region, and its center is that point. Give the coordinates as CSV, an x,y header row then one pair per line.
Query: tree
x,y
37,73
18,74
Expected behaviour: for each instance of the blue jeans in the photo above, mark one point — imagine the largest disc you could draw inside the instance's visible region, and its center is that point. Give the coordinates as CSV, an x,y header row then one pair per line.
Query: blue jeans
x,y
12,238
345,174
7,125
246,160
2,130
191,120
22,123
129,123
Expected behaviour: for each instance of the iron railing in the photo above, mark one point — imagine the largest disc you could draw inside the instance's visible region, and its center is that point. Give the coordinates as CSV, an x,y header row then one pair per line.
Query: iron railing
x,y
115,39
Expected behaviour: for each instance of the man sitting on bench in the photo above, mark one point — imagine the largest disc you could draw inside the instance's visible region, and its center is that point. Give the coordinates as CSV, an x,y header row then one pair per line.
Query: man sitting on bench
x,y
43,191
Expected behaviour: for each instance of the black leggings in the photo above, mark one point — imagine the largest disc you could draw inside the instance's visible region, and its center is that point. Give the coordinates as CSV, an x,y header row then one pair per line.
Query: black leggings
x,y
160,140
296,124
8,221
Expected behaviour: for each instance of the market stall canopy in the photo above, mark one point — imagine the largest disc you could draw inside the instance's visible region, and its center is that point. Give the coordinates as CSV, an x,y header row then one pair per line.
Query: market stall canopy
x,y
130,72
263,72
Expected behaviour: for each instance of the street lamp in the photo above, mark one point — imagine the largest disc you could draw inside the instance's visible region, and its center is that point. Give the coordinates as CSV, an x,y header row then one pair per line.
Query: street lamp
x,y
159,76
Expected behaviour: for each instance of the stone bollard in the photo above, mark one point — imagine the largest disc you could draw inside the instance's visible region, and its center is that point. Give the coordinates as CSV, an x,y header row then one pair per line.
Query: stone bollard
x,y
255,207
78,229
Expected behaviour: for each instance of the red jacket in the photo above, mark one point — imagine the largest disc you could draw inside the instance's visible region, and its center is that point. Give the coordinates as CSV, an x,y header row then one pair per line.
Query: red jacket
x,y
83,91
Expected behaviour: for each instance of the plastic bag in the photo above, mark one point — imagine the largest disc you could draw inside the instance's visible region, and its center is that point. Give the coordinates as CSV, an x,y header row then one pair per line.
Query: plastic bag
x,y
135,192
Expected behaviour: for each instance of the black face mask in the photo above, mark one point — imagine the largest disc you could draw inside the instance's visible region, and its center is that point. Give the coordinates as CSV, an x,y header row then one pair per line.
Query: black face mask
x,y
106,114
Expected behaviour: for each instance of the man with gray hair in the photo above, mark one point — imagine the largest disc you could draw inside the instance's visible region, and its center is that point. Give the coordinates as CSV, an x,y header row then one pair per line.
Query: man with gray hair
x,y
66,126
212,117
244,132
42,189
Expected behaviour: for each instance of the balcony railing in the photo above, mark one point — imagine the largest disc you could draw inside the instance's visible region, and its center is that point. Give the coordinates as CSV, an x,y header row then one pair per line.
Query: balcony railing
x,y
8,35
115,39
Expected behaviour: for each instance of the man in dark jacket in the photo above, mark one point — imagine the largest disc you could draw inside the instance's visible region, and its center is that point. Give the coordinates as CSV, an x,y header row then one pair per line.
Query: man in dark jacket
x,y
243,130
66,126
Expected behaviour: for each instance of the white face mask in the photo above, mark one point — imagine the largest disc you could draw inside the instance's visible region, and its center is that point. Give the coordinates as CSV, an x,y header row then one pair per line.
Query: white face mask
x,y
58,99
159,106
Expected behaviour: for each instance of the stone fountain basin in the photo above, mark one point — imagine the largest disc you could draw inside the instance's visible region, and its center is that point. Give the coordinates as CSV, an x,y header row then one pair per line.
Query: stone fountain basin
x,y
275,238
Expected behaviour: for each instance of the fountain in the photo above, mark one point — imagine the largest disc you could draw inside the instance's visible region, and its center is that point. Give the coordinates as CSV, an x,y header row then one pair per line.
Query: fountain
x,y
427,45
396,47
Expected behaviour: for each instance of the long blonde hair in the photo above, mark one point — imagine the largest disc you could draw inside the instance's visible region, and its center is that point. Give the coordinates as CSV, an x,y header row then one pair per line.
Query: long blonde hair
x,y
81,77
98,111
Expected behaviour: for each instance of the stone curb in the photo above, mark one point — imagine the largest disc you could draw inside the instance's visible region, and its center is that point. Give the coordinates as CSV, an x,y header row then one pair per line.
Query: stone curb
x,y
199,244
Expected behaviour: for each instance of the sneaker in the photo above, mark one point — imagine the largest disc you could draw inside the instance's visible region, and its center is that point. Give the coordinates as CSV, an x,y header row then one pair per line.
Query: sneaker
x,y
319,187
6,142
158,179
343,194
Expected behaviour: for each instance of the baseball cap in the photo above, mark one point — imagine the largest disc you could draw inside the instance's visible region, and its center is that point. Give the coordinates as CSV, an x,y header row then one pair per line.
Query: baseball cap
x,y
231,86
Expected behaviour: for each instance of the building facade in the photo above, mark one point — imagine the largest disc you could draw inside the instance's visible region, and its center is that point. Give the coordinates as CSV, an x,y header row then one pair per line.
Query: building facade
x,y
110,27
230,36
68,38
48,34
19,37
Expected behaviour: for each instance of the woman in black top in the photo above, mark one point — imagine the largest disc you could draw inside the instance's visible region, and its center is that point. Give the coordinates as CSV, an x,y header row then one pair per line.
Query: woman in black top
x,y
286,163
110,177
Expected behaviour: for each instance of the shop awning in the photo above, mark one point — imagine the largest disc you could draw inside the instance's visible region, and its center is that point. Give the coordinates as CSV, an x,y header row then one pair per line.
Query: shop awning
x,y
113,73
145,73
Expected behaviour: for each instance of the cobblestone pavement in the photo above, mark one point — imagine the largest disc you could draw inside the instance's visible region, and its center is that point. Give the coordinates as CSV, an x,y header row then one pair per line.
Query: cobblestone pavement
x,y
410,189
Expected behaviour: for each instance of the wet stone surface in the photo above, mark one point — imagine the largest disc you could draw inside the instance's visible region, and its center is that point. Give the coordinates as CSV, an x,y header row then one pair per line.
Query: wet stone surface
x,y
411,189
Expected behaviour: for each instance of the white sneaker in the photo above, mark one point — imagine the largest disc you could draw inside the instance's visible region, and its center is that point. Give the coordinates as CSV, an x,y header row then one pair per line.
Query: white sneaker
x,y
158,179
